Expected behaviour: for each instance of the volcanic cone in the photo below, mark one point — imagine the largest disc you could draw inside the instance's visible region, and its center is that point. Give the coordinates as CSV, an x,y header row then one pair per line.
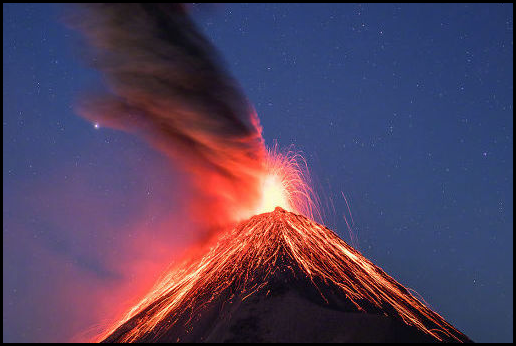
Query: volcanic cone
x,y
280,277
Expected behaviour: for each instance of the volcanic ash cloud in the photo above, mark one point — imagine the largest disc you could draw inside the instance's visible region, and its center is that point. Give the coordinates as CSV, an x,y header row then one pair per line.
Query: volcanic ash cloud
x,y
166,83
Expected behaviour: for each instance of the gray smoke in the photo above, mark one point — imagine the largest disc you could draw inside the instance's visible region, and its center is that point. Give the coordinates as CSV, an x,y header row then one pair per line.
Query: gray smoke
x,y
167,84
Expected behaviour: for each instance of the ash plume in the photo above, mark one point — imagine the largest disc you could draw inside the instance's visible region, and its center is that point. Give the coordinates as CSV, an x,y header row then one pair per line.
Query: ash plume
x,y
167,84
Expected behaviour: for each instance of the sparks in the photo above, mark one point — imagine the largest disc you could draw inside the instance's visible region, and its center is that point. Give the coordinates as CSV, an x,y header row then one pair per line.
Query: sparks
x,y
287,184
247,258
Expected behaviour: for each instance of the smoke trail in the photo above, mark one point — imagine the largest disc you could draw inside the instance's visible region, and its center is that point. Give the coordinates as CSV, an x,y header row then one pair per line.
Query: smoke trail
x,y
167,84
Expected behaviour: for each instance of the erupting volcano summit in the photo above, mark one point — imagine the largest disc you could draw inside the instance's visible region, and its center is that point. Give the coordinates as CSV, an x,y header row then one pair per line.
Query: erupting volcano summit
x,y
280,277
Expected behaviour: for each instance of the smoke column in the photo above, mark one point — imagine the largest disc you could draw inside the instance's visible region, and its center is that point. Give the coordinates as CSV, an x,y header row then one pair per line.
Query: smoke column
x,y
167,84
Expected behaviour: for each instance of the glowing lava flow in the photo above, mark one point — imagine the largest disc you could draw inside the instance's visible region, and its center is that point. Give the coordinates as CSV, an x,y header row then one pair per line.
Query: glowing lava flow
x,y
246,259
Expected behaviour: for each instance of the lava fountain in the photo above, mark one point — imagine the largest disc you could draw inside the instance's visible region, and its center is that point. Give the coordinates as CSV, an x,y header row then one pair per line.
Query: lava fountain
x,y
286,183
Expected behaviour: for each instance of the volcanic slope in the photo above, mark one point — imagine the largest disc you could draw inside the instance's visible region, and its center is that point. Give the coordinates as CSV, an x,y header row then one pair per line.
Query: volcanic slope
x,y
280,277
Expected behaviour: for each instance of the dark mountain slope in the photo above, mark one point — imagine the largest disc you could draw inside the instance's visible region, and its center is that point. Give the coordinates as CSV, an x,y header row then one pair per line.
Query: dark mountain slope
x,y
280,277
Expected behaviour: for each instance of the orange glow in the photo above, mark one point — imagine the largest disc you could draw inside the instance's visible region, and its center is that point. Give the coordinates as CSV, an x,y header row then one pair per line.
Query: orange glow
x,y
286,184
246,258
274,194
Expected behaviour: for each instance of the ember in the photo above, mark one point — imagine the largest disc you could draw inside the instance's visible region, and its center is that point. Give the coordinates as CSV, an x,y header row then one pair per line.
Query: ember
x,y
245,261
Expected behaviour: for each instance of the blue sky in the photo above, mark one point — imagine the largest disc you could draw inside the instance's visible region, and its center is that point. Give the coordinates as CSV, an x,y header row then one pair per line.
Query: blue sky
x,y
405,109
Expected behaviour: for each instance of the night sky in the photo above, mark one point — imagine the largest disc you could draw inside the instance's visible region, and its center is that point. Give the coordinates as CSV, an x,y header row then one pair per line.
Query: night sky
x,y
406,110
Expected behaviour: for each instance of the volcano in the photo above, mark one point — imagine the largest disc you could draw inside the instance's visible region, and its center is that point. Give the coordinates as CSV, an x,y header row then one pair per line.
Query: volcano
x,y
280,277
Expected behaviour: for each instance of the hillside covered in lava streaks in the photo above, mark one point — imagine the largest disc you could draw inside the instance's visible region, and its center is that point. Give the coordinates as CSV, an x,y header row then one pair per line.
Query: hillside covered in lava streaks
x,y
280,277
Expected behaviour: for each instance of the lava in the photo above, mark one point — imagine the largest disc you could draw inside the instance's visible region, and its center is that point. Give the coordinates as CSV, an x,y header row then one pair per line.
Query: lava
x,y
286,183
245,259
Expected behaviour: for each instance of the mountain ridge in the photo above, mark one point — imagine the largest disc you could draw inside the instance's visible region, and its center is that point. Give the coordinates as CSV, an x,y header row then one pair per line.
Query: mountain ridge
x,y
277,257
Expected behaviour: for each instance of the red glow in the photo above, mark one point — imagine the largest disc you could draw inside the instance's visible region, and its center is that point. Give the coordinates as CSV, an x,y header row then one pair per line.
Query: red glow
x,y
234,258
